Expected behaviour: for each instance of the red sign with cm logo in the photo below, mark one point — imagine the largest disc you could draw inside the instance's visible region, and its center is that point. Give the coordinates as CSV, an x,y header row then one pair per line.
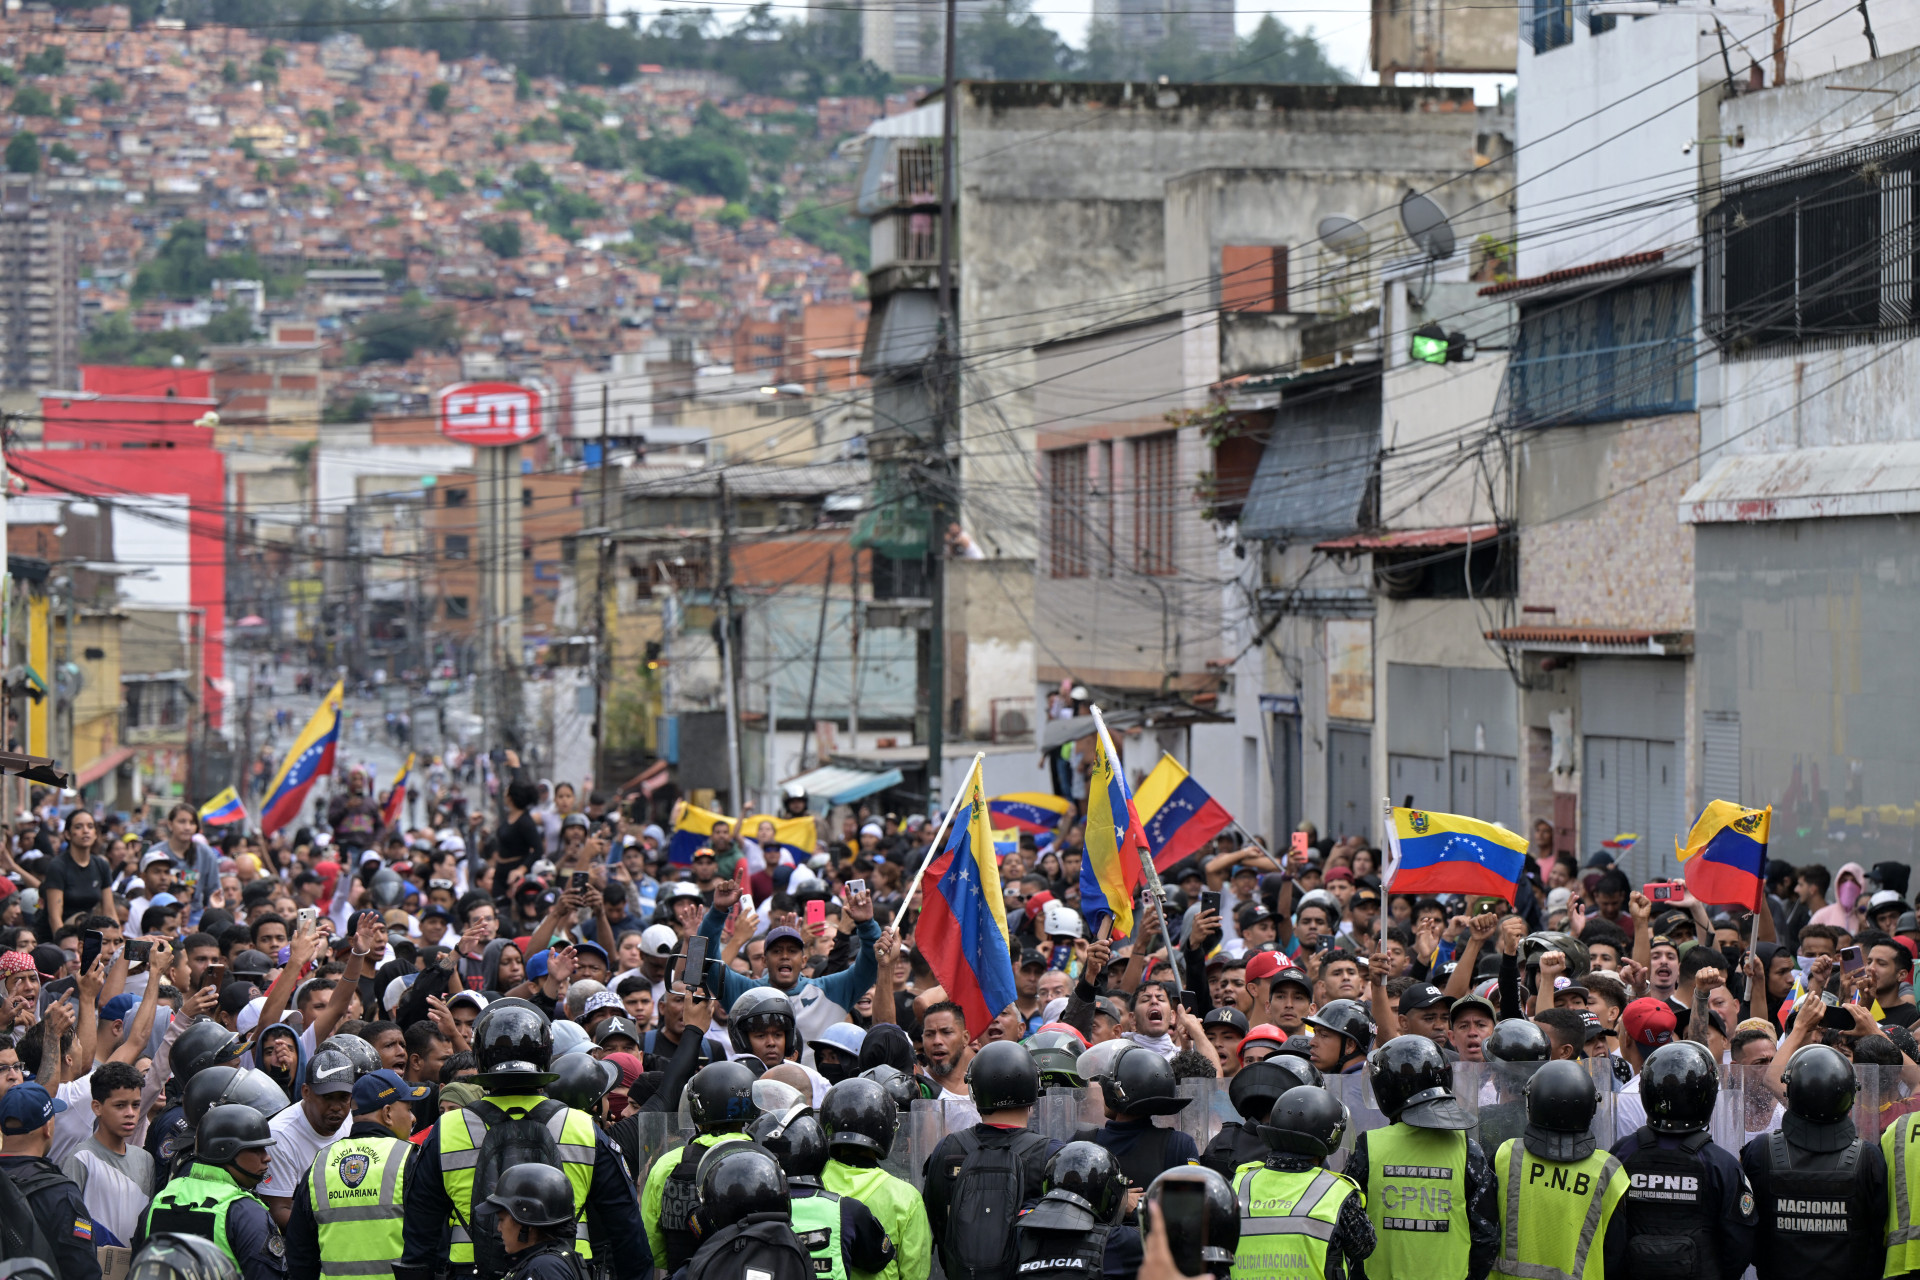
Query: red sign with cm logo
x,y
489,413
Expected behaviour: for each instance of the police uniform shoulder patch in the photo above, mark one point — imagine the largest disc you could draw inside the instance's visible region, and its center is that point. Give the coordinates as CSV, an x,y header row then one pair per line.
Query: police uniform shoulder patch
x,y
276,1244
353,1169
1746,1204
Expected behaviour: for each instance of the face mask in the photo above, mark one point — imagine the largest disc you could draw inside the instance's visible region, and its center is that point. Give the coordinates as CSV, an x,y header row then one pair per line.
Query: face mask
x,y
1734,953
1849,893
616,1105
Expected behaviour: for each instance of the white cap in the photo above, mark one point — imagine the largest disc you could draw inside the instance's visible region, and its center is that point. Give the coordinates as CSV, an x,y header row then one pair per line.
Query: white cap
x,y
659,940
1886,896
249,1017
875,830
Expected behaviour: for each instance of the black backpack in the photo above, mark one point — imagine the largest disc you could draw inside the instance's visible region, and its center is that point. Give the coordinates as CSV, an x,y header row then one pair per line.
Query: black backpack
x,y
760,1246
20,1234
989,1189
533,1138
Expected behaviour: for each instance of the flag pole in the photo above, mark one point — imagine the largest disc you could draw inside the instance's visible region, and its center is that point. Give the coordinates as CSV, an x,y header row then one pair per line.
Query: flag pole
x,y
946,820
1150,877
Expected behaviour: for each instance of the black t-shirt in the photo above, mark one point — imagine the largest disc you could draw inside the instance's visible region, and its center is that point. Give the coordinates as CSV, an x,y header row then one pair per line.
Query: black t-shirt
x,y
82,887
1900,1015
521,841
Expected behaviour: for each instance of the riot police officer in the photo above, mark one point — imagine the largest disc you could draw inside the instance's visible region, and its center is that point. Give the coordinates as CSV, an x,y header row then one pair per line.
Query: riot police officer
x,y
861,1119
1138,1086
1514,1049
179,1257
1068,1235
746,1216
1820,1191
214,1197
975,1239
840,1233
720,1099
1558,1192
1253,1090
1297,1217
1429,1187
535,1202
202,1045
513,1045
1342,1035
1689,1214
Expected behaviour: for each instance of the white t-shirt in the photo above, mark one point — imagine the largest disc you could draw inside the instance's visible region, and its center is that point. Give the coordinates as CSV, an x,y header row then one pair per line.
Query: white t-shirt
x,y
74,1125
295,1144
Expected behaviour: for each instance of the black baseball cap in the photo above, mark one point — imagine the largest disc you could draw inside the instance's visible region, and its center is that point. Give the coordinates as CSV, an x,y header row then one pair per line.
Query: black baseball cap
x,y
1422,995
1227,1016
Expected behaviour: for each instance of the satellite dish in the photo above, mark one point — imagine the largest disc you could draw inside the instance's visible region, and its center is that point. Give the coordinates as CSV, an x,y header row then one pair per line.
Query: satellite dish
x,y
1343,235
1427,226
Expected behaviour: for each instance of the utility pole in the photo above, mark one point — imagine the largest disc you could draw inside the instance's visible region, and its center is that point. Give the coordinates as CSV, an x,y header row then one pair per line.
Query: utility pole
x,y
734,795
946,408
853,624
602,667
819,643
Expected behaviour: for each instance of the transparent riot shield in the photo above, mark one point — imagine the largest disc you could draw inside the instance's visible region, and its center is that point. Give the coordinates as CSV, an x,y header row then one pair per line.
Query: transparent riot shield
x,y
1210,1108
930,1120
1058,1113
1363,1113
659,1132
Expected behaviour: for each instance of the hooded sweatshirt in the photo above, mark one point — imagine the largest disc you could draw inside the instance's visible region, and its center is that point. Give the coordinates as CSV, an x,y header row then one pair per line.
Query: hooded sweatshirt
x,y
289,1085
1836,914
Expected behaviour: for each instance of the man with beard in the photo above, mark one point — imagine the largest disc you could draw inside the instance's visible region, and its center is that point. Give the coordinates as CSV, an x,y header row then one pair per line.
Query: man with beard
x,y
945,1045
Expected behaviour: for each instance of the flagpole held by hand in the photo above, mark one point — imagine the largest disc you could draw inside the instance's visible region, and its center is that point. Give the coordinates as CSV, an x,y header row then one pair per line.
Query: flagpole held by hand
x,y
1150,877
933,850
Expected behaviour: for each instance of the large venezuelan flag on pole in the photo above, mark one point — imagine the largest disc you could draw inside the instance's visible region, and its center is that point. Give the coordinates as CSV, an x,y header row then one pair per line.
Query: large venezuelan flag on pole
x,y
310,759
1431,852
1111,868
1177,814
1030,811
1725,857
963,919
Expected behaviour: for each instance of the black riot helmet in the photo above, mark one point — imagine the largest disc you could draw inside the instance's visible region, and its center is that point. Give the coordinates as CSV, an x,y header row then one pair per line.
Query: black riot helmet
x,y
1300,1069
860,1118
536,1195
581,1082
366,1060
1202,1243
198,1097
170,1256
1413,1082
1820,1094
227,1131
203,1045
1561,1102
740,1179
1140,1083
228,1086
1347,1018
26,1269
900,1086
389,890
720,1097
1679,1085
513,1048
757,1009
1257,1086
1305,1122
1003,1075
796,1140
1088,1174
1516,1040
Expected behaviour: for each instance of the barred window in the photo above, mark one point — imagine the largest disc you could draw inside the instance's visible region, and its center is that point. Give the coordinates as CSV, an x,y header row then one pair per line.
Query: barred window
x,y
1818,254
1624,352
1067,513
1156,499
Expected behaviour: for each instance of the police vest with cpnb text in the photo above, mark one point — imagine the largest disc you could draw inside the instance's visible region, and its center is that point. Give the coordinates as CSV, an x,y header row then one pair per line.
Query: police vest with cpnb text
x,y
1287,1220
1672,1210
358,1187
1554,1214
1417,1201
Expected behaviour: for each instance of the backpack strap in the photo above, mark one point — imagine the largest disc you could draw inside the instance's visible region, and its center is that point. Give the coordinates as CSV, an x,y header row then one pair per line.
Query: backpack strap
x,y
1693,1142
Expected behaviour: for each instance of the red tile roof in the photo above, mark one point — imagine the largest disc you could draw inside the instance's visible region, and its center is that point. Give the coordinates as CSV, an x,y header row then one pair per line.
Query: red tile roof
x,y
1626,263
1409,539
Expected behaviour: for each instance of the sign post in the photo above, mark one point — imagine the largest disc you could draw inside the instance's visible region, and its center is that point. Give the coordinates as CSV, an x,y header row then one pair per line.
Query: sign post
x,y
495,418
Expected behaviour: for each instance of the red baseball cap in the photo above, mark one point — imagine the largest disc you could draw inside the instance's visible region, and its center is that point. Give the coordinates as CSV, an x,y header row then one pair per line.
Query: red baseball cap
x,y
1649,1022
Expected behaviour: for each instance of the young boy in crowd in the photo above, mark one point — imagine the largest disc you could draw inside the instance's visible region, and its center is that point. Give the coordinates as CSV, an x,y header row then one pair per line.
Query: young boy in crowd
x,y
115,1179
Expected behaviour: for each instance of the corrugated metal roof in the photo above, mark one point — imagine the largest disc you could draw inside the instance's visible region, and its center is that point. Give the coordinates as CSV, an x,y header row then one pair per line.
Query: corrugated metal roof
x,y
1586,270
747,480
1412,539
1807,484
1316,474
1614,640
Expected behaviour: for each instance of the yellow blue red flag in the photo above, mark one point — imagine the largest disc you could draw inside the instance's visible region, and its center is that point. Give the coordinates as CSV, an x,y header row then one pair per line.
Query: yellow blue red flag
x,y
222,809
1725,857
962,930
1110,870
1431,853
692,829
794,839
308,760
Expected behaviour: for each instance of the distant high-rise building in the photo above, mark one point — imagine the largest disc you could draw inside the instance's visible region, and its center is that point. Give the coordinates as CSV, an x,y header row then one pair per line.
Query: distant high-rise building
x,y
1207,24
908,37
39,292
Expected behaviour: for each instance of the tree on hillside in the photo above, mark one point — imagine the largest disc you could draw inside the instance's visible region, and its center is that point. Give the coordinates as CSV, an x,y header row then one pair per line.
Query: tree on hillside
x,y
397,332
23,153
501,239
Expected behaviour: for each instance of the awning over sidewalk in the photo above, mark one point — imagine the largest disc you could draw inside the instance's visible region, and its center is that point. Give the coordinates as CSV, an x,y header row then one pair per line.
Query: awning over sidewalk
x,y
1413,539
1604,641
837,784
1807,484
105,765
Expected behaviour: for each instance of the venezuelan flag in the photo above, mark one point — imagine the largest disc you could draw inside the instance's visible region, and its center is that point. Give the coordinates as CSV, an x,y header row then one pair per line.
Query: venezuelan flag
x,y
309,760
223,809
1177,814
963,921
1005,842
692,828
1431,852
1110,871
1032,811
390,811
794,839
1725,857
